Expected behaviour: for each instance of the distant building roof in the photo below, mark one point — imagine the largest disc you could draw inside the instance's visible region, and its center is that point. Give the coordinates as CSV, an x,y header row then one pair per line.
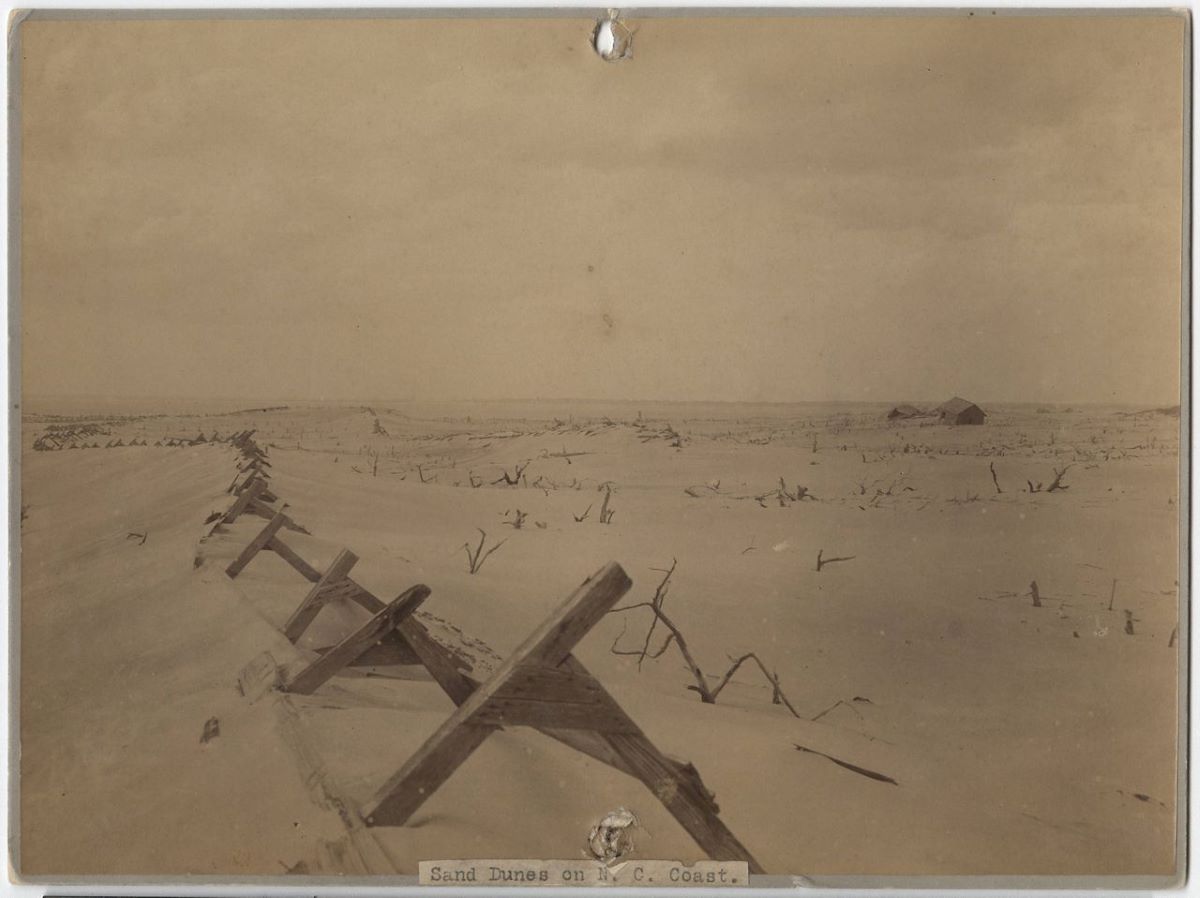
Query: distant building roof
x,y
956,405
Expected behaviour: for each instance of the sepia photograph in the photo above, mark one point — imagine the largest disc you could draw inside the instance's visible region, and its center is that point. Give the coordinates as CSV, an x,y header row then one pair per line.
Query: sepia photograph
x,y
665,447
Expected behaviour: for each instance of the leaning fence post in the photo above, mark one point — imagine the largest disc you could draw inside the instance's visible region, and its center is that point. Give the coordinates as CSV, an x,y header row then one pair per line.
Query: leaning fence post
x,y
353,646
256,545
304,615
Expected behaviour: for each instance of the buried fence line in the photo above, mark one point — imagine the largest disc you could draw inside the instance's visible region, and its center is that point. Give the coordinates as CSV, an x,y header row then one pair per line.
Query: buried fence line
x,y
56,441
541,685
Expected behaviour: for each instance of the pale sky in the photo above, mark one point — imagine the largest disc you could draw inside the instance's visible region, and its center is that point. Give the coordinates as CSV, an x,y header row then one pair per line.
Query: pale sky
x,y
777,208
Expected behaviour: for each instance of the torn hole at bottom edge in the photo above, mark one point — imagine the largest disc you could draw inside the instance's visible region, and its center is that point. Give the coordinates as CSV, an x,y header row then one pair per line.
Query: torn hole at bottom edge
x,y
612,838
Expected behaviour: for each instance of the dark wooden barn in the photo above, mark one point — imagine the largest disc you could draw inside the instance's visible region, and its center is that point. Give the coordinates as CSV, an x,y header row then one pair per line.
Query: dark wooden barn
x,y
960,411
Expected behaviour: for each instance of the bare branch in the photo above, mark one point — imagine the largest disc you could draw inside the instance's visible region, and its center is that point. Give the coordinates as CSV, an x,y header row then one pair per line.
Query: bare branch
x,y
513,479
1057,483
707,695
822,561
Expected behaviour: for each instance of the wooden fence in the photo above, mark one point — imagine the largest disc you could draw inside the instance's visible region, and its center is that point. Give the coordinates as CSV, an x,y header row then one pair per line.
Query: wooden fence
x,y
542,685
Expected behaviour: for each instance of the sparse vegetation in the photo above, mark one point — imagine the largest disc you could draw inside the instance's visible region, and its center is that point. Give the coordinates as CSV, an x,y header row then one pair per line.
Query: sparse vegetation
x,y
822,561
478,555
708,693
606,513
913,606
516,478
1056,484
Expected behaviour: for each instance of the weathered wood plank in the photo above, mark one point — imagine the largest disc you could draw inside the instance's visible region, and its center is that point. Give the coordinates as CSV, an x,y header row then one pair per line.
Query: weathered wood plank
x,y
687,771
423,773
459,686
434,762
303,616
256,545
243,502
392,649
437,660
258,677
248,480
340,591
622,747
687,803
258,508
360,595
255,475
599,748
593,745
551,684
319,671
263,510
284,551
582,715
557,636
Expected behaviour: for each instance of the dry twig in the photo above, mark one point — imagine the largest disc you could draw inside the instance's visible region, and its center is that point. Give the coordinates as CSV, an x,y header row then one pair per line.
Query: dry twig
x,y
477,556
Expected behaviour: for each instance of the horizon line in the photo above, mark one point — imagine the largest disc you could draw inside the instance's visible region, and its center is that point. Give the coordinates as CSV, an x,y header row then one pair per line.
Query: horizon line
x,y
77,397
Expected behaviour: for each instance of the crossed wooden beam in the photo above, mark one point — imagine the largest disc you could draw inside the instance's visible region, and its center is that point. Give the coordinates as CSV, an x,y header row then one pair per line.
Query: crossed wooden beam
x,y
390,636
268,539
254,467
252,499
542,685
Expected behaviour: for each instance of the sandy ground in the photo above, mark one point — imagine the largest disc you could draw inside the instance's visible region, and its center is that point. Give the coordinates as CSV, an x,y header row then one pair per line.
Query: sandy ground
x,y
1022,740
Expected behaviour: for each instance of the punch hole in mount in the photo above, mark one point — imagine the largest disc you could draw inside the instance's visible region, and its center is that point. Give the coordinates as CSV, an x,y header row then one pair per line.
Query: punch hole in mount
x,y
612,39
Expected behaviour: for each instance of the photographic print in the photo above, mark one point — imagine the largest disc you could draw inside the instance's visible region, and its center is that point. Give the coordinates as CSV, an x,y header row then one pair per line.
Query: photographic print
x,y
728,437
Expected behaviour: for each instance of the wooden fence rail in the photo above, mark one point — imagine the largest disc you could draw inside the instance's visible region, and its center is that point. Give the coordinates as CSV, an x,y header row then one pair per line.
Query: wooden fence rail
x,y
542,685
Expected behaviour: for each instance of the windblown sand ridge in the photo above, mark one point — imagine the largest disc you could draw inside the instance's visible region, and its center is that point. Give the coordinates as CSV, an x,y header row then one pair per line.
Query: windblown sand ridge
x,y
1021,740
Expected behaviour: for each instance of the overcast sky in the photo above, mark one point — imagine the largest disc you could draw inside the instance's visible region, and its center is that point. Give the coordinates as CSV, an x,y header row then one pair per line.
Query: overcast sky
x,y
802,208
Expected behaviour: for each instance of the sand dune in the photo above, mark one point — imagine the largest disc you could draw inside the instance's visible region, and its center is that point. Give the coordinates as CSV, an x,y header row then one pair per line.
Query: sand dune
x,y
1021,740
